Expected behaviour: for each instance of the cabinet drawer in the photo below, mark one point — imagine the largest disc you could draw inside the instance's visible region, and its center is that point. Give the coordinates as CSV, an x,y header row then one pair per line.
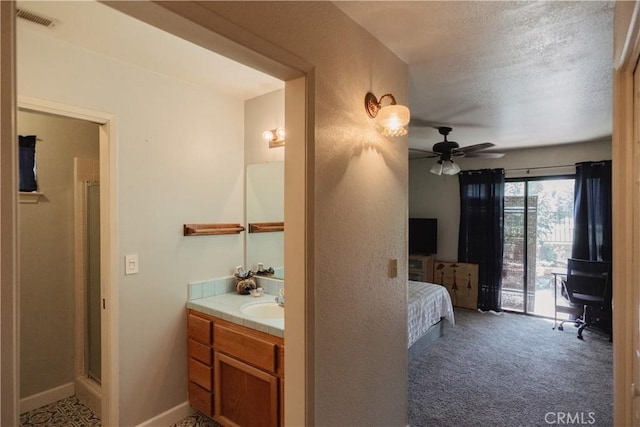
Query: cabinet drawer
x,y
200,399
200,352
255,351
200,374
200,329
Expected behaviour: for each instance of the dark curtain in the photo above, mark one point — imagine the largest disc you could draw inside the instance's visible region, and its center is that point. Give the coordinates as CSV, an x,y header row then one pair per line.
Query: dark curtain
x,y
481,231
592,233
27,163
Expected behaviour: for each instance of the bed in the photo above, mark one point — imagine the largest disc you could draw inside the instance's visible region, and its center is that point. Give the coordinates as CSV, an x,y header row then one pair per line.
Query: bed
x,y
429,304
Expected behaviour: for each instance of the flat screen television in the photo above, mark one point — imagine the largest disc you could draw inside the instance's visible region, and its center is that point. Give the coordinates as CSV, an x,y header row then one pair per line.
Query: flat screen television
x,y
423,236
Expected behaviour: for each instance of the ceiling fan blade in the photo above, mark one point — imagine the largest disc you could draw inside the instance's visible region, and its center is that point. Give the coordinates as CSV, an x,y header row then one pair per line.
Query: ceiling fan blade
x,y
426,153
486,155
476,147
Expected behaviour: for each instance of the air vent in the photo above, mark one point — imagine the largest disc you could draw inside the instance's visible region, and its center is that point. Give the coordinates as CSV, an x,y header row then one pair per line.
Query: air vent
x,y
36,19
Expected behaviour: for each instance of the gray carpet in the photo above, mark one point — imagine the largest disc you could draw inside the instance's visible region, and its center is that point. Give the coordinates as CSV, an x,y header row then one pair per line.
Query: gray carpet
x,y
512,370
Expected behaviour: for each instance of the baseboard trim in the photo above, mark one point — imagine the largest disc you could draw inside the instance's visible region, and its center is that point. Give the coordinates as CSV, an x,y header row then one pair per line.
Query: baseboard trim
x,y
170,416
89,392
38,400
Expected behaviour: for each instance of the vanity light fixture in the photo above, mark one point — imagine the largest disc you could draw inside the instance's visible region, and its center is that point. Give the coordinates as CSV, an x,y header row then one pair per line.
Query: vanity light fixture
x,y
275,137
391,118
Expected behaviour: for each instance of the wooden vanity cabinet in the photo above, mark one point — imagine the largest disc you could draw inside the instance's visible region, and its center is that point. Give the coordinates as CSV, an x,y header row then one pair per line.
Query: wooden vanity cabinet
x,y
246,369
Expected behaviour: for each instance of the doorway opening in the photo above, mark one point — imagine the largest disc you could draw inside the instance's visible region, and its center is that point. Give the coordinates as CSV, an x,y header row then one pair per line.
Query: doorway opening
x,y
73,165
538,234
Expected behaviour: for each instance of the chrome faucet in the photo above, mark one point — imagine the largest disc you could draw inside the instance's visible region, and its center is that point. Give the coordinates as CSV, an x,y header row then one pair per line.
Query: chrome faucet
x,y
280,298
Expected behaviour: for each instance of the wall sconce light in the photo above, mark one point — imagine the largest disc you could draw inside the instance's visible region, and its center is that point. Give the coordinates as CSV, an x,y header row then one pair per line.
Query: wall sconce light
x,y
392,118
445,167
275,137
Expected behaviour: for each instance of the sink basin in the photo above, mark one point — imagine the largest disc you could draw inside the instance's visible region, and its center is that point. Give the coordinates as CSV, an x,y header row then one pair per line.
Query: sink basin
x,y
263,310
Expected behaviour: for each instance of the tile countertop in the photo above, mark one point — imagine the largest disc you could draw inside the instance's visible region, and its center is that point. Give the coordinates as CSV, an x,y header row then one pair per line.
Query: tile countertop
x,y
227,307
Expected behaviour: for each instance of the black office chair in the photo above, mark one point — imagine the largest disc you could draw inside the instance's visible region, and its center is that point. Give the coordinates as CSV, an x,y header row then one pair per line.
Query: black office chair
x,y
588,284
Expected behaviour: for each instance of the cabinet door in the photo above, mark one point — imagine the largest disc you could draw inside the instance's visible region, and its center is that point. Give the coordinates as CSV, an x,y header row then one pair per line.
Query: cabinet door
x,y
244,395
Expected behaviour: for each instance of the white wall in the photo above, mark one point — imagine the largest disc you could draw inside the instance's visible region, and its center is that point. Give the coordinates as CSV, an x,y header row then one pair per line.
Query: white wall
x,y
432,196
47,301
179,160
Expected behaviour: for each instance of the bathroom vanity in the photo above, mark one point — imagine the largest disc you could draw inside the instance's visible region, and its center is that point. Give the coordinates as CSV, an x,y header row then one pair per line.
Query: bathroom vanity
x,y
236,366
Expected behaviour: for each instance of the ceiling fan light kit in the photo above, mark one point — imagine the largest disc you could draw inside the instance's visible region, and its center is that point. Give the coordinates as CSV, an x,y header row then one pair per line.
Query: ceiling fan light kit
x,y
392,118
446,150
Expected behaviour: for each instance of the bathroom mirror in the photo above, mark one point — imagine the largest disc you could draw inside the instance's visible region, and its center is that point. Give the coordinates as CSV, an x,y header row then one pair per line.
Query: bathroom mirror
x,y
265,203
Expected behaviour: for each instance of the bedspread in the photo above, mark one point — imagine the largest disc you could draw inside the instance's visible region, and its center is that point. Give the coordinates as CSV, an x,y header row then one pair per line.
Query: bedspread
x,y
428,303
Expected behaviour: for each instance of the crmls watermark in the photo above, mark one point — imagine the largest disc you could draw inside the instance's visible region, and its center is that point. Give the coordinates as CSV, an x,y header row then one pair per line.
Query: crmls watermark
x,y
570,418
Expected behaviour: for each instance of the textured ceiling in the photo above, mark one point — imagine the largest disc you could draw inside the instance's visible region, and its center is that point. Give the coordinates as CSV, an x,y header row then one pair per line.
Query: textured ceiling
x,y
518,74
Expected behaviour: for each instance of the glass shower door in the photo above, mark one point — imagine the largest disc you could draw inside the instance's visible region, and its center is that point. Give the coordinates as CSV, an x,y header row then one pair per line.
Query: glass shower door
x,y
93,350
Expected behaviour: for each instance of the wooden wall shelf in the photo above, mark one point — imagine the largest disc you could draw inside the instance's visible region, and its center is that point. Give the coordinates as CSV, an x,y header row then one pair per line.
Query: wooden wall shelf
x,y
211,229
265,227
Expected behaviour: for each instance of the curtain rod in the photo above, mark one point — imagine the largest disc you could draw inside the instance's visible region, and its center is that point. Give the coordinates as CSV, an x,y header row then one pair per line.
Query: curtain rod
x,y
600,163
540,167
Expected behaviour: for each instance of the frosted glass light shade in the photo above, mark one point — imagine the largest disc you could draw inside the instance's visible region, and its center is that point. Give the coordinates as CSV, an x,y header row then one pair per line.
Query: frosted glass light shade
x,y
437,168
450,168
393,119
267,135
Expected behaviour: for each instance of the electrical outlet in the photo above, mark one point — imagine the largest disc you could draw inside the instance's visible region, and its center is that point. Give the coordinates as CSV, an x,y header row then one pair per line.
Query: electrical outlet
x,y
131,264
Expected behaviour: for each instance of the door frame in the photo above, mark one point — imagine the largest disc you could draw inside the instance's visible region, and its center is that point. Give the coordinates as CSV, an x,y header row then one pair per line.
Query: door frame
x,y
108,242
9,250
626,228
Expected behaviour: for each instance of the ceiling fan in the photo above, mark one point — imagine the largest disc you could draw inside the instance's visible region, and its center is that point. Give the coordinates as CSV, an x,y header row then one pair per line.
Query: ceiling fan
x,y
446,150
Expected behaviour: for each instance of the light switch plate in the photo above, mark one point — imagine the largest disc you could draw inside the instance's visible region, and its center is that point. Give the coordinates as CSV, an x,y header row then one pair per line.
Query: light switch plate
x,y
131,264
393,268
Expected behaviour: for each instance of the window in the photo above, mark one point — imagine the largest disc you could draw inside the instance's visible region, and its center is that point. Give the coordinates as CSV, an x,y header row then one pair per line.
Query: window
x,y
27,164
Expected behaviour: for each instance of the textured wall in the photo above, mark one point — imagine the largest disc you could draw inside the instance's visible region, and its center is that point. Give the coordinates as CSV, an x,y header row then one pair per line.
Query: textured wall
x,y
432,196
47,306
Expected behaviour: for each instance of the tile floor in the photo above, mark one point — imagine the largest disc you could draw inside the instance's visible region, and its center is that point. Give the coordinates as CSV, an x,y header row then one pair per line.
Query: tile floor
x,y
71,412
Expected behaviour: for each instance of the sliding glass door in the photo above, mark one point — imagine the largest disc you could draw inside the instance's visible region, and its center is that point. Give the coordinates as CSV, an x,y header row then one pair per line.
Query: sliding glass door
x,y
538,232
